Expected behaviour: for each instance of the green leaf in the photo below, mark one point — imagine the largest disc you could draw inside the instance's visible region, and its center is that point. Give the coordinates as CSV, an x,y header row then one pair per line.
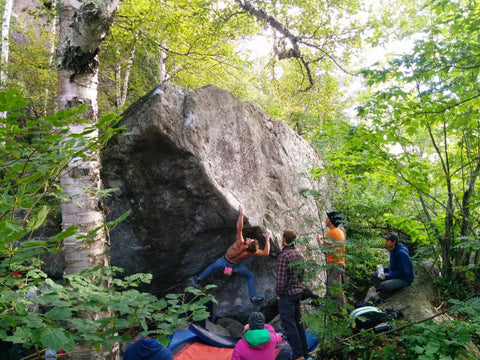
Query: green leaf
x,y
57,339
38,219
21,309
58,313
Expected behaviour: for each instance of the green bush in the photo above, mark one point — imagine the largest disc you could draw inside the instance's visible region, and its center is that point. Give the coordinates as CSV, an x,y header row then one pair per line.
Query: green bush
x,y
35,311
363,256
39,313
434,341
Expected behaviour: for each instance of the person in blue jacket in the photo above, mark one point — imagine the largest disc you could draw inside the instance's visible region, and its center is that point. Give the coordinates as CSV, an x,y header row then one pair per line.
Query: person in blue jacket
x,y
147,348
399,273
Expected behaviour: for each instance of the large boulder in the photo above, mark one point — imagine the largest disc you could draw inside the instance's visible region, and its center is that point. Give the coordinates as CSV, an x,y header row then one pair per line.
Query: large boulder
x,y
182,166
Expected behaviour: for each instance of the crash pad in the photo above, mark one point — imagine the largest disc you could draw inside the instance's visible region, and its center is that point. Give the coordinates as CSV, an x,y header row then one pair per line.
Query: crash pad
x,y
213,339
181,337
198,351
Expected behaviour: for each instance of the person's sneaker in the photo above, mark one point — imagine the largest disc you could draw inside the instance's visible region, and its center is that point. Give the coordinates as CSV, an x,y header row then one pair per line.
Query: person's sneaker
x,y
375,301
256,299
394,314
196,281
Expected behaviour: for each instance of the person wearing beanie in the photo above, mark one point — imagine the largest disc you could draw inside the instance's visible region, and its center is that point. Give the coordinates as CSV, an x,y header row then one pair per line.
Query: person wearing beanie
x,y
256,320
399,273
147,349
258,342
335,239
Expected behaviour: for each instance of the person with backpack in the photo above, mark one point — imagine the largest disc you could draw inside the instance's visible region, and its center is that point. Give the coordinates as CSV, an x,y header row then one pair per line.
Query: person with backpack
x,y
398,274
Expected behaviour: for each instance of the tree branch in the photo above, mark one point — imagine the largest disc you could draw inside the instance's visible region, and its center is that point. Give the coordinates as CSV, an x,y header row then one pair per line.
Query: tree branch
x,y
294,52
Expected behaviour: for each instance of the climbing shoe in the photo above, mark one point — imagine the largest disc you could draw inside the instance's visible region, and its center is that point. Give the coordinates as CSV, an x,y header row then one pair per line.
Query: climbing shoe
x,y
256,299
196,282
375,301
394,314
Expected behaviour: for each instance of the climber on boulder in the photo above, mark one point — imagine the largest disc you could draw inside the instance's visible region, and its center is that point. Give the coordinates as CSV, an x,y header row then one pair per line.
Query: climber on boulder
x,y
241,249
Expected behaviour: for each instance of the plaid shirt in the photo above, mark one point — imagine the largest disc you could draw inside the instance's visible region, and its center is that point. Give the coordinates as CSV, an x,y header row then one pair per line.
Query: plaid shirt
x,y
288,282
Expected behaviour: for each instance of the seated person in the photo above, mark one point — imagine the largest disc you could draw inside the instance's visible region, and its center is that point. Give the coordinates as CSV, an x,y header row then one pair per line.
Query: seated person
x,y
399,273
147,348
258,342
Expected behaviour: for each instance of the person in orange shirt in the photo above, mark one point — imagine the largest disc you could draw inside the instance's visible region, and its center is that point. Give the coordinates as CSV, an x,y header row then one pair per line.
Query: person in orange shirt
x,y
335,239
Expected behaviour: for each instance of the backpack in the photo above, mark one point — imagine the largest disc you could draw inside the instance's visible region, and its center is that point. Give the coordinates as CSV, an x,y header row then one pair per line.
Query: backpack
x,y
367,317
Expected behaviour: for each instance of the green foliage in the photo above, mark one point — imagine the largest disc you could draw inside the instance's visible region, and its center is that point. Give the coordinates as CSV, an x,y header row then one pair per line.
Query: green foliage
x,y
193,40
451,289
35,311
469,309
34,154
411,162
328,325
421,340
430,340
31,68
363,258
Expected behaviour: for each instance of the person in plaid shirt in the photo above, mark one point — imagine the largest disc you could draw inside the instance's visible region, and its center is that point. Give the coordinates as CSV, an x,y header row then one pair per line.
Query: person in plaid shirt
x,y
289,289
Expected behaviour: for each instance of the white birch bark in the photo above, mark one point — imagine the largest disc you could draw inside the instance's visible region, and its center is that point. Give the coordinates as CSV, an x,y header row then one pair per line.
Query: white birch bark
x,y
162,67
53,30
7,14
118,79
126,80
121,85
83,25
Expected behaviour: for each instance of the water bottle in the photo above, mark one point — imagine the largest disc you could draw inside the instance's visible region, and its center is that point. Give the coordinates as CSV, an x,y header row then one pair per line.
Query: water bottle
x,y
381,328
380,271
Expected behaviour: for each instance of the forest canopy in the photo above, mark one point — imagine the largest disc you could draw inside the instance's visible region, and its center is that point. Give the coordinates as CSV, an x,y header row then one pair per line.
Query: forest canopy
x,y
399,135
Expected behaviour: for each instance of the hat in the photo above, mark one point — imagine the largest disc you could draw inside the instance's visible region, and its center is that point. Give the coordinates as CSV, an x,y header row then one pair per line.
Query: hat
x,y
256,320
335,218
391,236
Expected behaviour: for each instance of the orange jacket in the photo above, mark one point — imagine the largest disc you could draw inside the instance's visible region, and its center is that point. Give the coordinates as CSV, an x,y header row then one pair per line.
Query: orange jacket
x,y
336,256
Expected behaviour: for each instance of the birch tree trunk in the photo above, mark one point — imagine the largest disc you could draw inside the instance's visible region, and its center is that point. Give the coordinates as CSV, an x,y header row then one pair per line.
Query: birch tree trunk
x,y
121,85
163,76
7,14
53,30
82,27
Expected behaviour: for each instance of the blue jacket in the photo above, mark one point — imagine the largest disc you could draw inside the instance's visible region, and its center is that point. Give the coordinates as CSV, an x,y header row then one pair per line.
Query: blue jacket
x,y
147,349
401,266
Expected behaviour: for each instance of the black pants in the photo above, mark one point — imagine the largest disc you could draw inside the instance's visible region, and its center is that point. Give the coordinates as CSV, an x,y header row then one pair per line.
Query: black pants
x,y
290,314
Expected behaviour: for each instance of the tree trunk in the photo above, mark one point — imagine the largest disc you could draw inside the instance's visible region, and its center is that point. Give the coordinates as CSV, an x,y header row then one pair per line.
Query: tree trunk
x,y
53,30
466,256
121,86
447,239
83,26
7,14
163,76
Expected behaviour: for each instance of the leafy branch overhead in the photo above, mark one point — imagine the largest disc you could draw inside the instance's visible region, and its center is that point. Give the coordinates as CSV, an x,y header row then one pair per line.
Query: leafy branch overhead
x,y
419,134
310,44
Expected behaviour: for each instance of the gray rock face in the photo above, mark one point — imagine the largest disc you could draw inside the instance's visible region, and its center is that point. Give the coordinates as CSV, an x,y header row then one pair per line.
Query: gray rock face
x,y
185,162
